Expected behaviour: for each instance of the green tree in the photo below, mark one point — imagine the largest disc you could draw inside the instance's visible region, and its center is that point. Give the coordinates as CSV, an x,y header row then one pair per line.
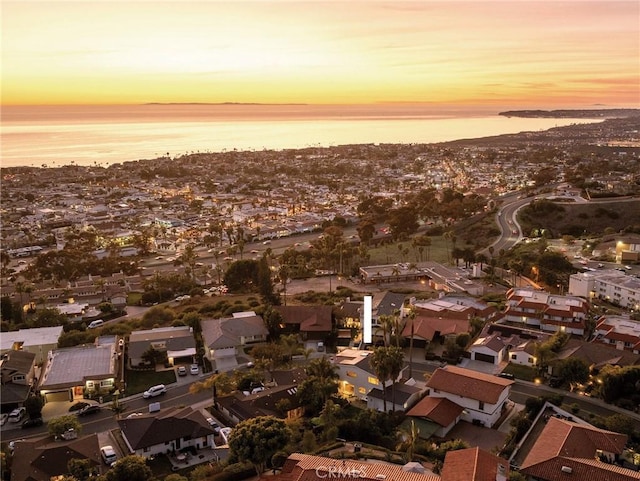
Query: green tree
x,y
130,468
59,425
321,383
160,315
574,371
387,362
82,469
257,439
33,404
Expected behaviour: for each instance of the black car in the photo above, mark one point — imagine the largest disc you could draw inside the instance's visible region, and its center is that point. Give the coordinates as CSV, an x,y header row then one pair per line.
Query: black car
x,y
32,423
92,409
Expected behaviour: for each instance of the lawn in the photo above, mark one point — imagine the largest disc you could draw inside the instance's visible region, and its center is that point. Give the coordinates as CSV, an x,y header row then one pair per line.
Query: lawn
x,y
140,381
391,253
524,373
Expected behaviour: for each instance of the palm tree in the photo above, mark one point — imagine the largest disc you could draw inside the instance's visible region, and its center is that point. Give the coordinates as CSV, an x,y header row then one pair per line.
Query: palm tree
x,y
380,365
409,439
412,317
326,376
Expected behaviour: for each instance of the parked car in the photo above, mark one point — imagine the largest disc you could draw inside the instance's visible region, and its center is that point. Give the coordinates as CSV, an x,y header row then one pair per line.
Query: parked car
x,y
108,454
16,415
195,370
91,409
182,371
32,423
214,425
3,419
506,375
95,324
154,391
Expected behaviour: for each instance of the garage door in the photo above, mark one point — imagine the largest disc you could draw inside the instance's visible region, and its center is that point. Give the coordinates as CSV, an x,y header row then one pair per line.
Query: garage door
x,y
57,396
485,358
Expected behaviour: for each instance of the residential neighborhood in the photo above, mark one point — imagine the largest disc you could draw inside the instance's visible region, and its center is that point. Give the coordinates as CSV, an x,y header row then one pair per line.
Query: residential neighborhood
x,y
169,314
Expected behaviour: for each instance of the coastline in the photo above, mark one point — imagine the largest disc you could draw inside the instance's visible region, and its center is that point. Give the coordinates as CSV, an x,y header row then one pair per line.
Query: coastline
x,y
114,136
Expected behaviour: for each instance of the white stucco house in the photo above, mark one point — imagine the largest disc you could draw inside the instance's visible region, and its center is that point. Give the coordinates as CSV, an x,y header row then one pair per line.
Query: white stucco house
x,y
481,396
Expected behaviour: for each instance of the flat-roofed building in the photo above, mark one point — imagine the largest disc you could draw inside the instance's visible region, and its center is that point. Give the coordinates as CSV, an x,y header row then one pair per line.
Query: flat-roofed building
x,y
72,372
38,340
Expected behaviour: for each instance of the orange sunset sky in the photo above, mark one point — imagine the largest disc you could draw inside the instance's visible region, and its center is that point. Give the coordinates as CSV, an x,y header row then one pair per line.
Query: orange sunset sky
x,y
545,54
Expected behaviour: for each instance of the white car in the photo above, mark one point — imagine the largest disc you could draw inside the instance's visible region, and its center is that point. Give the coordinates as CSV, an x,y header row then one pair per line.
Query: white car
x,y
195,370
109,455
154,391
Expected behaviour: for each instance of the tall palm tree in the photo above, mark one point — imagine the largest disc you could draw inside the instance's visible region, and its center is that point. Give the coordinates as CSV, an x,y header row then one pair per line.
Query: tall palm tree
x,y
380,365
412,318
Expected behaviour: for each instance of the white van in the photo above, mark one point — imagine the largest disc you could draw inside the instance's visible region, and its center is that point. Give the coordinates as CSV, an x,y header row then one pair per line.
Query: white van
x,y
154,391
108,454
16,415
96,323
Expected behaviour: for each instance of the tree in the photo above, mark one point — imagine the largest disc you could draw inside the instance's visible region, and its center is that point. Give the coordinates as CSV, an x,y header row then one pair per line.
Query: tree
x,y
257,439
130,468
33,404
321,383
574,371
408,440
82,469
387,362
59,425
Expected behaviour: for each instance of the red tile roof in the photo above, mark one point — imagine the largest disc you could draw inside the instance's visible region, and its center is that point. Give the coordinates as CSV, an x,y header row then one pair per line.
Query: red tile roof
x,y
469,384
318,468
473,464
439,410
561,441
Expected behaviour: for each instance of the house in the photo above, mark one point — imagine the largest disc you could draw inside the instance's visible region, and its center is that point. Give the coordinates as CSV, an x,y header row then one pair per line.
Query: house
x,y
177,342
595,355
306,467
482,396
72,372
224,338
38,340
566,449
520,342
426,329
545,311
491,349
166,431
456,307
278,401
17,372
474,464
357,377
435,416
622,332
43,459
312,323
405,396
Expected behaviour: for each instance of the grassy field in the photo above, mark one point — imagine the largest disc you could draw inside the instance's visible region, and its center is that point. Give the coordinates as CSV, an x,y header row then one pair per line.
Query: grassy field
x,y
395,252
140,381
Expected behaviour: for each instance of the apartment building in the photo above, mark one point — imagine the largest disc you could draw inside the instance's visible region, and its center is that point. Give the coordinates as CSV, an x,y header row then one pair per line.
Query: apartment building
x,y
545,311
609,285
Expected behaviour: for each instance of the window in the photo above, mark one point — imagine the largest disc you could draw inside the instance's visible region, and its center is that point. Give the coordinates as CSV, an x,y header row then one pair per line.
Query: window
x,y
481,405
362,390
352,374
18,377
514,356
373,380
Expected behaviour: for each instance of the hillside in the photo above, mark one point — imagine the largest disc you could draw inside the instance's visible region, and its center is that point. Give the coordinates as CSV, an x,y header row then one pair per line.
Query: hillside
x,y
592,218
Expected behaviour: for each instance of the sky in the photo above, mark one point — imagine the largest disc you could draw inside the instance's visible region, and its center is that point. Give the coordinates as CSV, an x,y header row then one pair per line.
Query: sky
x,y
531,54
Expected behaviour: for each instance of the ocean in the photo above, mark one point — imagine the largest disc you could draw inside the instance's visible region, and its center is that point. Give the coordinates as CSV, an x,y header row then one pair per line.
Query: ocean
x,y
102,135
